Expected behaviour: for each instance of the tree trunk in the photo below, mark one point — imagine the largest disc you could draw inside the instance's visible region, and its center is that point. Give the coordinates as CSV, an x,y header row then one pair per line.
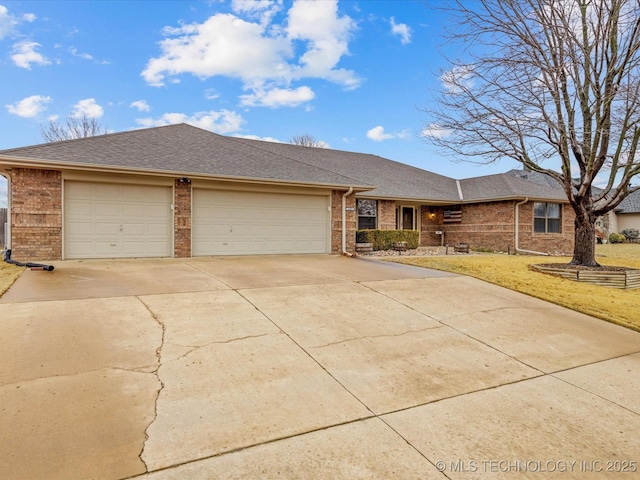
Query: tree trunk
x,y
584,250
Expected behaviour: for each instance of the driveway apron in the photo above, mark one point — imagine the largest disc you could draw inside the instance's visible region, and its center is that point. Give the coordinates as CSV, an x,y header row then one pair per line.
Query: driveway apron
x,y
306,367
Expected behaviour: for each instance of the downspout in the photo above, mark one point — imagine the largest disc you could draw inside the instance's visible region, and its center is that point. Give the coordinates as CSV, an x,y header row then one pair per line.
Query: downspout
x,y
344,222
7,231
518,249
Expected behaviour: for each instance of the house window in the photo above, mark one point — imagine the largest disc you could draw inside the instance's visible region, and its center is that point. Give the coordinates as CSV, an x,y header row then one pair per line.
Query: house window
x,y
546,217
367,214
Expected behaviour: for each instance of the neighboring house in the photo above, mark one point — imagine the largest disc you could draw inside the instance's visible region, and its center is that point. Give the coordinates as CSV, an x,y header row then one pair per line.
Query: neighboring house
x,y
180,191
627,214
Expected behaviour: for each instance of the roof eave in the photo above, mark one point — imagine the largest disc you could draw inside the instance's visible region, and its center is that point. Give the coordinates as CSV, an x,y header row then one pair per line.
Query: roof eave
x,y
21,162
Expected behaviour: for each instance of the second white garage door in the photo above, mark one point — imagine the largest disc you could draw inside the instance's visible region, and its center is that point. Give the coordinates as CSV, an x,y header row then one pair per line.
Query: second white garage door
x,y
254,223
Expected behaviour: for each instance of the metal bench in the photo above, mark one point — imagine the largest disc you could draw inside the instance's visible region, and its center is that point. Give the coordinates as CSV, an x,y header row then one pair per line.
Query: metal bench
x,y
461,248
399,247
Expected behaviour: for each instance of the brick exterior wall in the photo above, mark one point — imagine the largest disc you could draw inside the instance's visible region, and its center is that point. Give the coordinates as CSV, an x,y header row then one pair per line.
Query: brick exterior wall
x,y
387,215
36,214
490,226
182,220
336,222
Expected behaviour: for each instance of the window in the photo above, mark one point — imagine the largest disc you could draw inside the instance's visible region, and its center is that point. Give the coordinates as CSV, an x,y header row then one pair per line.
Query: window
x,y
367,213
546,217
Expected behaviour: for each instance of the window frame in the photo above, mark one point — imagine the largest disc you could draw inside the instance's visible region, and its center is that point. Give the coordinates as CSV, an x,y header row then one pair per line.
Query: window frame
x,y
547,219
359,215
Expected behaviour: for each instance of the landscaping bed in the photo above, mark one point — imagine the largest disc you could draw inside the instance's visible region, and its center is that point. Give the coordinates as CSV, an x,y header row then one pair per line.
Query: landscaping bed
x,y
606,276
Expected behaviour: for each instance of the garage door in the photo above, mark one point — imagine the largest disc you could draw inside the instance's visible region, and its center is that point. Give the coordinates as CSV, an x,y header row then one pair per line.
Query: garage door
x,y
251,223
105,220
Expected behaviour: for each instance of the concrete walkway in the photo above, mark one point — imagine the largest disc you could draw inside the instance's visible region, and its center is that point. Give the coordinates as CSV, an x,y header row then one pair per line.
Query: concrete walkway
x,y
307,367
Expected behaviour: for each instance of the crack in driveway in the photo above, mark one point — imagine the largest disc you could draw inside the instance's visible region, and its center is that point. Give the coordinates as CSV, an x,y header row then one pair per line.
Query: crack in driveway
x,y
367,337
157,375
218,342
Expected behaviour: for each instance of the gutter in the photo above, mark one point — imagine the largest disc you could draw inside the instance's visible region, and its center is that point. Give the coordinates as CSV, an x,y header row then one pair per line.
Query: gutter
x,y
518,249
344,222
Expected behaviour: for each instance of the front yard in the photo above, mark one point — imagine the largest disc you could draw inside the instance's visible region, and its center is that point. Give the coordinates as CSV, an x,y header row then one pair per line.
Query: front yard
x,y
511,271
8,274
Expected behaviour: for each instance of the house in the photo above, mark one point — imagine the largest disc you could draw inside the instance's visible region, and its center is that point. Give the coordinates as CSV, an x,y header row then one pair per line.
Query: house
x,y
180,191
627,214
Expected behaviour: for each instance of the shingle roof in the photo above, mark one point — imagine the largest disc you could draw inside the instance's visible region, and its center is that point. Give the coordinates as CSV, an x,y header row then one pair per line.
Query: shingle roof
x,y
631,204
506,185
185,150
392,179
181,149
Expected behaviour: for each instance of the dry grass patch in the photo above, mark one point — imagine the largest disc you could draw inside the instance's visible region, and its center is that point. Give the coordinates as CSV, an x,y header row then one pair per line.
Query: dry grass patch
x,y
614,305
8,274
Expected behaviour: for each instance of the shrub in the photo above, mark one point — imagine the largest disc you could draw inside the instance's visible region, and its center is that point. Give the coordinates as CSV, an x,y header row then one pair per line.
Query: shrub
x,y
616,238
630,233
382,239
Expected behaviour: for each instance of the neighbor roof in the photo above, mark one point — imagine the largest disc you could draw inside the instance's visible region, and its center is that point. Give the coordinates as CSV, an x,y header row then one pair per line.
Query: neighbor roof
x,y
631,204
184,150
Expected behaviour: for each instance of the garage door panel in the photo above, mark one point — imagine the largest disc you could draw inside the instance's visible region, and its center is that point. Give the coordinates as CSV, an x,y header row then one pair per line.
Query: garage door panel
x,y
241,223
114,220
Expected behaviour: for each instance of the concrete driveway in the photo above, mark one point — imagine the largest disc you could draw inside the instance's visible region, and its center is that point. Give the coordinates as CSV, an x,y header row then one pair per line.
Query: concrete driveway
x,y
306,367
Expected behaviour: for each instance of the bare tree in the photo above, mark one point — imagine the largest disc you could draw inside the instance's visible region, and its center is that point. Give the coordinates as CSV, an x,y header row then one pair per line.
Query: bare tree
x,y
74,127
307,140
553,84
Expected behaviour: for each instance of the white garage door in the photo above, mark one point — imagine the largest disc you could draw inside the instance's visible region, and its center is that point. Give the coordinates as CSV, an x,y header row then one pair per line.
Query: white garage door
x,y
104,220
253,223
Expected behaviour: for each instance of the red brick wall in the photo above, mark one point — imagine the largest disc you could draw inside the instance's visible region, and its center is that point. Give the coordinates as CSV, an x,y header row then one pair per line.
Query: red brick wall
x,y
36,214
490,226
336,222
182,220
386,215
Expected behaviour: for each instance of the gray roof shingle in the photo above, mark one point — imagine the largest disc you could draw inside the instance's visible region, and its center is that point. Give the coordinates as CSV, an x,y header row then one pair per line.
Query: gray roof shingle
x,y
505,185
631,204
185,150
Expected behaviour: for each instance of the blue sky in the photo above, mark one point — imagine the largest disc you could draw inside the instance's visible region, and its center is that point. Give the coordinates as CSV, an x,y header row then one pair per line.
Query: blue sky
x,y
353,74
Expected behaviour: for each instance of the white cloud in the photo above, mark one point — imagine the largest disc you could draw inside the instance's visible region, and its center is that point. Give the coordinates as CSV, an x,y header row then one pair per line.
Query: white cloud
x,y
141,105
433,130
24,54
256,137
262,10
222,45
327,37
224,121
87,107
262,54
74,51
29,107
278,97
8,22
211,94
402,30
377,134
457,79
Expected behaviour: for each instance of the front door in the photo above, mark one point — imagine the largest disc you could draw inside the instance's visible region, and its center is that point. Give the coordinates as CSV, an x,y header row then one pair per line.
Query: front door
x,y
408,218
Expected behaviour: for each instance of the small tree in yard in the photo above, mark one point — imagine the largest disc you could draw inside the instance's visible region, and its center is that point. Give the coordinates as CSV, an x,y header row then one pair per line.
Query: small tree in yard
x,y
553,84
74,127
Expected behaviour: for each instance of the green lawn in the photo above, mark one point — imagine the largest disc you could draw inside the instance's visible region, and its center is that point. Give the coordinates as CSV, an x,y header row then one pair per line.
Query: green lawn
x,y
511,271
